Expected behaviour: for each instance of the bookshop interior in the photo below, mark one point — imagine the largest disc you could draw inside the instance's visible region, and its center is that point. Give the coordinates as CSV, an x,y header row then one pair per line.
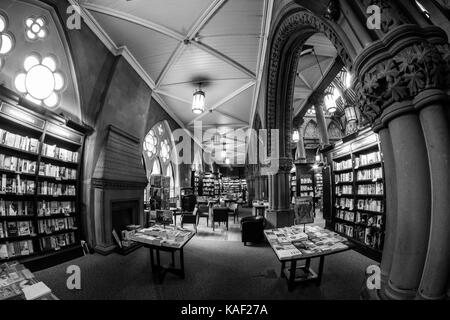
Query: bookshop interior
x,y
224,149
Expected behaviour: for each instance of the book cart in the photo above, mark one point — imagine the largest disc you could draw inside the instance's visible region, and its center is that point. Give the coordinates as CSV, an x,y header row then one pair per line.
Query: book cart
x,y
40,171
358,196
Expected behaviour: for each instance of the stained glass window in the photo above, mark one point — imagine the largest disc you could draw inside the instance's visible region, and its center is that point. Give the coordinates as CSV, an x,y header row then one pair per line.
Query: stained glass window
x,y
165,150
150,144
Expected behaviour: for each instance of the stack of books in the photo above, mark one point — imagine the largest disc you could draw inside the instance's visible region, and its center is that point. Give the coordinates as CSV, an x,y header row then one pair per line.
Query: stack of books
x,y
17,282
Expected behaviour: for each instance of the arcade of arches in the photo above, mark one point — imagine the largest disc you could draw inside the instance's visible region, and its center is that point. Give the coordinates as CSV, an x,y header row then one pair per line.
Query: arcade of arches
x,y
328,90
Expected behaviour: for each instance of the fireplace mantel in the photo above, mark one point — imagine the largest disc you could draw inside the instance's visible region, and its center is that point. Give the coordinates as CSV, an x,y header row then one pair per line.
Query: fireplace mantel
x,y
119,176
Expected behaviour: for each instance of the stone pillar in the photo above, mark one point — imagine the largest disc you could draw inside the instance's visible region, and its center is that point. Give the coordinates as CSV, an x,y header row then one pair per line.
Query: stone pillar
x,y
432,104
406,91
391,204
413,204
279,213
321,122
300,153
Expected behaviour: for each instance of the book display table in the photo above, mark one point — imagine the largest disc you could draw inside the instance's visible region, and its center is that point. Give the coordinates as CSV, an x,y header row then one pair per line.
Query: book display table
x,y
168,239
292,244
18,283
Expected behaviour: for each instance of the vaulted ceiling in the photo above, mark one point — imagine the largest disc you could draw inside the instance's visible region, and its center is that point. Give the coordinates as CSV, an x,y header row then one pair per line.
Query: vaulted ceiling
x,y
218,43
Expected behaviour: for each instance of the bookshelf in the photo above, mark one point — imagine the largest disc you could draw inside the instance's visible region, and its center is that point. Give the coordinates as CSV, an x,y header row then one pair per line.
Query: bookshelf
x,y
358,193
232,185
211,185
306,185
40,164
293,184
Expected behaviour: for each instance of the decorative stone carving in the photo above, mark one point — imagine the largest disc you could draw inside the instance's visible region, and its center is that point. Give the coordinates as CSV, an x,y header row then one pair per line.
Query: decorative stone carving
x,y
294,22
412,70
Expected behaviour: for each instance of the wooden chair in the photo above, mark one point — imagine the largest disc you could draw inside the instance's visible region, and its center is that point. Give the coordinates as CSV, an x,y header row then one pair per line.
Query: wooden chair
x,y
203,212
190,218
220,214
233,211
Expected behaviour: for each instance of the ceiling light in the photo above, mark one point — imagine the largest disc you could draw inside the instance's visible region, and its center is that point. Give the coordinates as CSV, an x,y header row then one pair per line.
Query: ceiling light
x,y
198,102
350,113
348,80
330,103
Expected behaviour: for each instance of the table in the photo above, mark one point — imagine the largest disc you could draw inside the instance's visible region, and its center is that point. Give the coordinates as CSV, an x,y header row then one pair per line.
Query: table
x,y
159,271
259,208
318,243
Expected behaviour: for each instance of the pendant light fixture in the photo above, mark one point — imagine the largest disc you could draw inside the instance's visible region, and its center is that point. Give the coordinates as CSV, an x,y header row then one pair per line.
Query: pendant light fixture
x,y
198,102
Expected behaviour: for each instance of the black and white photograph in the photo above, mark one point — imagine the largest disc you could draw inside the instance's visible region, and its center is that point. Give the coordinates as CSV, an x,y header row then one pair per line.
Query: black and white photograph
x,y
223,158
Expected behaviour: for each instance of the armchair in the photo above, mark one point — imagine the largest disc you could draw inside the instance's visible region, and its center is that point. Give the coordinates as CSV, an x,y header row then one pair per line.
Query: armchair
x,y
220,214
252,229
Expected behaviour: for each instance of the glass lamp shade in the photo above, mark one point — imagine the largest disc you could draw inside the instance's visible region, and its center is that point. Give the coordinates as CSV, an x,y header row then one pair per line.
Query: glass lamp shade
x,y
198,102
295,136
350,113
227,161
330,103
318,158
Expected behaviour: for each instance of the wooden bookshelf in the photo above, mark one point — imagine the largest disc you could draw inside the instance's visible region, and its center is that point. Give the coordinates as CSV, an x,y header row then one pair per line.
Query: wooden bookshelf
x,y
293,185
40,183
358,193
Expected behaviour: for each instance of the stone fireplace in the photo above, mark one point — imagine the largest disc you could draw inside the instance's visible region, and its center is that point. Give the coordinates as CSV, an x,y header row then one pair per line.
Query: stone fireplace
x,y
118,188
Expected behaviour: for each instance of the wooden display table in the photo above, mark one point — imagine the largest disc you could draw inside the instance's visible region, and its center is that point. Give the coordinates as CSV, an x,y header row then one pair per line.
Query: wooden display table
x,y
161,242
292,244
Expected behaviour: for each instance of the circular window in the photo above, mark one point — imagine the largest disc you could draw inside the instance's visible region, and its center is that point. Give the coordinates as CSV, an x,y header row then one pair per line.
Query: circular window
x,y
41,83
36,28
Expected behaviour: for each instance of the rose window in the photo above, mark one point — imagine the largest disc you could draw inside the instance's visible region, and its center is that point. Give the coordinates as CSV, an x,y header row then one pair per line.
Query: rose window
x,y
40,82
165,150
6,39
36,28
150,143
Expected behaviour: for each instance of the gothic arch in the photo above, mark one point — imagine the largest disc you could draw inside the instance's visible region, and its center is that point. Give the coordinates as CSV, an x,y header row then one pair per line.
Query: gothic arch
x,y
295,26
311,130
334,130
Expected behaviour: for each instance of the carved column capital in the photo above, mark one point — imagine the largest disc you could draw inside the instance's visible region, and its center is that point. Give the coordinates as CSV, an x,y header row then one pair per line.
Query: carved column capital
x,y
416,68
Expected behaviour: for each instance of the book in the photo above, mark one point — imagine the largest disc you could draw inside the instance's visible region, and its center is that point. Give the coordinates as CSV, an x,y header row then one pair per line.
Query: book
x,y
36,291
12,228
24,228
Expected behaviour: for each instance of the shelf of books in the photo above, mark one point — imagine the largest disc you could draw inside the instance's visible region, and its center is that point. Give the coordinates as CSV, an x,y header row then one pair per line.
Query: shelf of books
x,y
318,184
306,185
39,184
232,185
210,184
197,182
293,185
358,193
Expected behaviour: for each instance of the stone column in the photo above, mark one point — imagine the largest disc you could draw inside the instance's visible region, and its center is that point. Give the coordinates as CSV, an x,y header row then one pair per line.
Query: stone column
x,y
317,100
432,104
396,90
391,203
279,213
413,194
300,152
